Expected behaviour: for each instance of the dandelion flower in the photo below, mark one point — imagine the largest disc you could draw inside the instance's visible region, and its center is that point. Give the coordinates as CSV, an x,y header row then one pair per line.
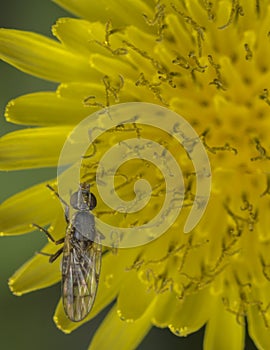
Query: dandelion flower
x,y
209,62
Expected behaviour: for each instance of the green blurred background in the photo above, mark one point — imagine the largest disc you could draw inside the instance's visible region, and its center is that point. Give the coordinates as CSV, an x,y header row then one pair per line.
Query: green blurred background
x,y
26,322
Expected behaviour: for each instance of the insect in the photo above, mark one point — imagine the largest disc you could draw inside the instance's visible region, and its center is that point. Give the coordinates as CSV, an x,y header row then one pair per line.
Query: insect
x,y
82,251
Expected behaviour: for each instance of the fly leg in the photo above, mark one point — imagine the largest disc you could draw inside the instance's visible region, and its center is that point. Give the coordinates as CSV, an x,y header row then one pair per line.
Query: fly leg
x,y
62,201
54,256
47,233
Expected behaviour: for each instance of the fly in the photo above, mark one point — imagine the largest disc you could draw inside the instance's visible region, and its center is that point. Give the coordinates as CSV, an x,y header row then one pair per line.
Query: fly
x,y
82,251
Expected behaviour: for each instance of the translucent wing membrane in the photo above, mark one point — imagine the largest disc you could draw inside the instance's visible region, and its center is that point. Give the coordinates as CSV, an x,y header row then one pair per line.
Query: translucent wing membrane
x,y
80,274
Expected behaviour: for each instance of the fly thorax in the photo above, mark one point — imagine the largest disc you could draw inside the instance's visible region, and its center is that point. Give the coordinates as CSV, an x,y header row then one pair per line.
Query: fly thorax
x,y
84,225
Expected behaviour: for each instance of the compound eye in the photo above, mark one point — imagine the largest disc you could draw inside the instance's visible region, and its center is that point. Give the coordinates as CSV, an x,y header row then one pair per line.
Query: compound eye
x,y
93,201
74,200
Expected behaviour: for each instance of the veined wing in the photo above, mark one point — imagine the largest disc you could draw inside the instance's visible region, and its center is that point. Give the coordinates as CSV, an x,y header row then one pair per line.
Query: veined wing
x,y
80,274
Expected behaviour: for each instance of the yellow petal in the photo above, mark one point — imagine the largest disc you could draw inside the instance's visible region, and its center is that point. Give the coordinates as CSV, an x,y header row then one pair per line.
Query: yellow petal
x,y
258,318
162,315
263,50
117,334
133,298
182,316
32,148
257,328
222,330
45,58
45,108
112,67
112,273
95,93
79,35
191,314
81,91
126,12
37,273
21,210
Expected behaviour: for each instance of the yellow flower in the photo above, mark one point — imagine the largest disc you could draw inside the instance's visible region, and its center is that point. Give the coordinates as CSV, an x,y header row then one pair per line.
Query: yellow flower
x,y
209,62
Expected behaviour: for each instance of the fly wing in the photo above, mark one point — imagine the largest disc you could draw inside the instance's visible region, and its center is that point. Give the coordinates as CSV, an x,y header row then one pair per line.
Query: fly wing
x,y
80,274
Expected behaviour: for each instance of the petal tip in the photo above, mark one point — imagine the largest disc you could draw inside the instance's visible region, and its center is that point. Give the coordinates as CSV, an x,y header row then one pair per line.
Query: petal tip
x,y
123,318
7,110
59,326
11,282
180,332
